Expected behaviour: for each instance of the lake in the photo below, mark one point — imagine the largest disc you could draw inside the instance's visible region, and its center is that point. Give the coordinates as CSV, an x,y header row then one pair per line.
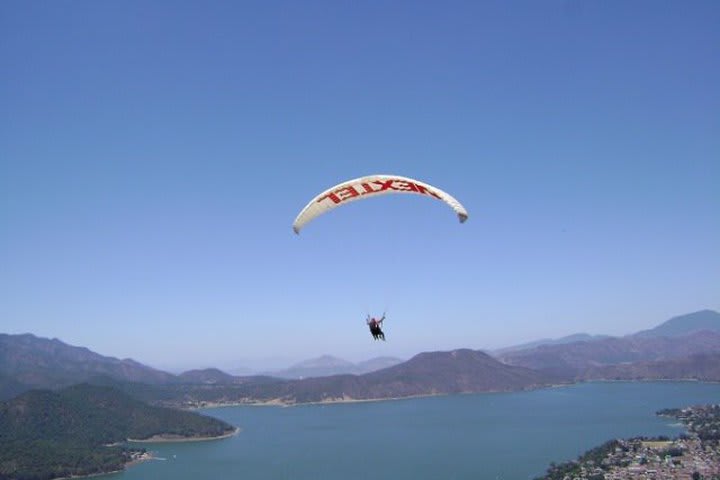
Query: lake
x,y
479,436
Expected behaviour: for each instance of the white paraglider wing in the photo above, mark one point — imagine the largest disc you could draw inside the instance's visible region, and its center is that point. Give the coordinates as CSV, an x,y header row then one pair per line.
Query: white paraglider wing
x,y
372,186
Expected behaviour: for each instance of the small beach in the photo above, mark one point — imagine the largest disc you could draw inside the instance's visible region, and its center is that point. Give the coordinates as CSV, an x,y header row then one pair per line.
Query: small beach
x,y
180,438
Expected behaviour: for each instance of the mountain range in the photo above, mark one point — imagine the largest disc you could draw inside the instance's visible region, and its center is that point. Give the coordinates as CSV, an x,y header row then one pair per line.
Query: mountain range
x,y
666,351
30,361
677,338
430,373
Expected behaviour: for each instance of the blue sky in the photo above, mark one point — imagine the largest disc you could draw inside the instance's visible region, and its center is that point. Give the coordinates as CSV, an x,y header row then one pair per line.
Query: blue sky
x,y
153,156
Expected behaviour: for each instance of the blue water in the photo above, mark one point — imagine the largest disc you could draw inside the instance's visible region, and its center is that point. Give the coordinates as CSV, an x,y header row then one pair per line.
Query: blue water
x,y
483,436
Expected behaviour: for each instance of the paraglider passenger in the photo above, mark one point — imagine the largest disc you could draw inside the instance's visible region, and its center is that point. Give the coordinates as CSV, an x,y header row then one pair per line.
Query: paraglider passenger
x,y
375,329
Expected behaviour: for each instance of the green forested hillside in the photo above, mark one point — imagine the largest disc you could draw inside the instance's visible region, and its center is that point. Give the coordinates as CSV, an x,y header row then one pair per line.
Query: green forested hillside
x,y
46,434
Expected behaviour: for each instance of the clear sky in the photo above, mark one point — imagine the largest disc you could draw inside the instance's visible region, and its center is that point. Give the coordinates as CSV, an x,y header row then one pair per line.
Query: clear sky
x,y
153,156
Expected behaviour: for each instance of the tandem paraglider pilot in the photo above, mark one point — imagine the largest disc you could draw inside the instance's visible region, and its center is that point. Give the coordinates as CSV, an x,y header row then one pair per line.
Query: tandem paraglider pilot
x,y
375,329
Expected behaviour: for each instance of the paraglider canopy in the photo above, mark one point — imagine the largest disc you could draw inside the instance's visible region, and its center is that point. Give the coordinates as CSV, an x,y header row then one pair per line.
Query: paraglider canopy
x,y
371,186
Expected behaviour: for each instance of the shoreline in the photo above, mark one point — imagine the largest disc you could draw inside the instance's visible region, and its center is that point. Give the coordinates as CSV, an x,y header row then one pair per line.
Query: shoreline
x,y
143,457
148,455
180,439
285,404
347,400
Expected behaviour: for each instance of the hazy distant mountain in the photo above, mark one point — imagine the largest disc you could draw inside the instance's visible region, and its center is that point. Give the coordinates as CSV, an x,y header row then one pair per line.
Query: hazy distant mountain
x,y
208,375
685,324
241,371
704,367
44,363
578,337
377,363
322,366
573,359
47,434
327,365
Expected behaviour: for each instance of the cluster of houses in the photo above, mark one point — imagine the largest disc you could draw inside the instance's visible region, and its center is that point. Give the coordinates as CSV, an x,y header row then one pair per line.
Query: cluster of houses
x,y
682,459
695,456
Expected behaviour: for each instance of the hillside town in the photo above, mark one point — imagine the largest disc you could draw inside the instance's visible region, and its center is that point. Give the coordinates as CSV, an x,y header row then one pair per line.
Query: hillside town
x,y
692,456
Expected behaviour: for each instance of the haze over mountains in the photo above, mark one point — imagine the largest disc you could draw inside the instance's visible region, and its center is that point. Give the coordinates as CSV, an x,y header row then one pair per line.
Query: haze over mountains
x,y
674,349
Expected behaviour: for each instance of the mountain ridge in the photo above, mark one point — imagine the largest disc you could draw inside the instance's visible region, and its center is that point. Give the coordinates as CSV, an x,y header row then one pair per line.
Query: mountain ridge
x,y
571,360
701,320
51,363
676,326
